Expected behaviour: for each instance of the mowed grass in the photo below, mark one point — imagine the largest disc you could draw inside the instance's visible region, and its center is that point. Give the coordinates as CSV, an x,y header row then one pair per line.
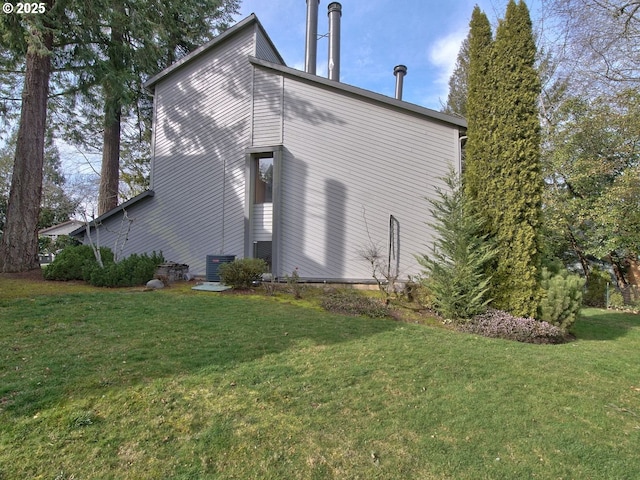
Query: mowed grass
x,y
127,384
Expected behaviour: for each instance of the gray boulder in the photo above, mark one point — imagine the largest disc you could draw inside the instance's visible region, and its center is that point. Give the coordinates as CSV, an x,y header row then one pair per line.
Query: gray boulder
x,y
155,284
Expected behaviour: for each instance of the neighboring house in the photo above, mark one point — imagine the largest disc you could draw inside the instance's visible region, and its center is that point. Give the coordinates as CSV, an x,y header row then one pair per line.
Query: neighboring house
x,y
253,158
55,231
64,228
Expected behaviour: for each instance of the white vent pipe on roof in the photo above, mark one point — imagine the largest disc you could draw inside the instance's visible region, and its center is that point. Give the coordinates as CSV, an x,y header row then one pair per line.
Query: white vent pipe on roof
x,y
399,71
311,48
335,12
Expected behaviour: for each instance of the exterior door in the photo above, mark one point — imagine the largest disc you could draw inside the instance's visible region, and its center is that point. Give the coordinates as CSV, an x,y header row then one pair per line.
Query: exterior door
x,y
262,209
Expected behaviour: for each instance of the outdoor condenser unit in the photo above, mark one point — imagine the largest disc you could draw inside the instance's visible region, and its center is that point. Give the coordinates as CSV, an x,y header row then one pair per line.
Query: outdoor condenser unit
x,y
213,265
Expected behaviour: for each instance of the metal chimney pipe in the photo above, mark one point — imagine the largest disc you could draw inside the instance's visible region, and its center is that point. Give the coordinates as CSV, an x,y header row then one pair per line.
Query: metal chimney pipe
x,y
311,47
335,12
399,71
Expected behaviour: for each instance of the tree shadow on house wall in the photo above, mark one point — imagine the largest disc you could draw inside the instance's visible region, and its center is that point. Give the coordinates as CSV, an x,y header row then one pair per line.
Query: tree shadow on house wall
x,y
314,223
201,140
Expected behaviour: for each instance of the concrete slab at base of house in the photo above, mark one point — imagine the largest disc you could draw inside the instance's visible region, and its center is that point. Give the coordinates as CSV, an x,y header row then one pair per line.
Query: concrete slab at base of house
x,y
211,287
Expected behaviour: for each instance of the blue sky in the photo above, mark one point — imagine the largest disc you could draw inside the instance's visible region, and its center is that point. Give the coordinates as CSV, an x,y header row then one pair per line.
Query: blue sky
x,y
377,35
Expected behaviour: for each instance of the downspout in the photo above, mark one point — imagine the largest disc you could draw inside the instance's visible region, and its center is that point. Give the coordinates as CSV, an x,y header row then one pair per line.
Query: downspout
x,y
224,200
460,140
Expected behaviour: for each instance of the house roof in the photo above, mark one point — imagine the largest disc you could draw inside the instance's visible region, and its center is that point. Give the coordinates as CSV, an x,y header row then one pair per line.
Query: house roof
x,y
61,228
252,20
113,211
238,27
361,92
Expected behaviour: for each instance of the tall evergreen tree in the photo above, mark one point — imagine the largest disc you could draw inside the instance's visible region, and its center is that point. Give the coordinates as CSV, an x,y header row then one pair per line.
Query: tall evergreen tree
x,y
503,173
102,49
57,205
478,107
518,187
33,35
132,41
457,97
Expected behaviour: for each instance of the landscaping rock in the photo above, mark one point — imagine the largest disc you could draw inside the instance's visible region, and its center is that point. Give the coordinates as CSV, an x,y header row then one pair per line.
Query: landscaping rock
x,y
155,284
171,272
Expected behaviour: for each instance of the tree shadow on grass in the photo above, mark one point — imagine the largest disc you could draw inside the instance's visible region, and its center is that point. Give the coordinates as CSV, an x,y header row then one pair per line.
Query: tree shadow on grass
x,y
82,344
597,324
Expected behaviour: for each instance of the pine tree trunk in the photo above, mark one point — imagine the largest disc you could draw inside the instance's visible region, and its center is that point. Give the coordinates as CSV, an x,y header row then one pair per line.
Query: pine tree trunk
x,y
19,243
110,171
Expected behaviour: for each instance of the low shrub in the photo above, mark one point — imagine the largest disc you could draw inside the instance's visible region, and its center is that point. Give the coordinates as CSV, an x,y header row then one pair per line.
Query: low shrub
x,y
350,302
416,291
499,324
76,263
293,282
242,273
562,298
616,300
128,272
65,241
596,291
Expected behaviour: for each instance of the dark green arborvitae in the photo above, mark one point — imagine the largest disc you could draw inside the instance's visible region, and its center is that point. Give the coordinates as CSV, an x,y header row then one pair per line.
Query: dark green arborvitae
x,y
516,185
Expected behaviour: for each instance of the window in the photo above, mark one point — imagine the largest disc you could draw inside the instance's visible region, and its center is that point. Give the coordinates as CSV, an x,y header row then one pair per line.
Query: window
x,y
264,180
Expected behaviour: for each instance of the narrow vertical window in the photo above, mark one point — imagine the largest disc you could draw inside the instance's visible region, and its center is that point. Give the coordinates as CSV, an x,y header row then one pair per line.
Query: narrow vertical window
x,y
264,180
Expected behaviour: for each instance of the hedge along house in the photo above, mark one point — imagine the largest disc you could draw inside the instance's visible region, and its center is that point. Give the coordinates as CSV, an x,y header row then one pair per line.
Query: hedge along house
x,y
252,158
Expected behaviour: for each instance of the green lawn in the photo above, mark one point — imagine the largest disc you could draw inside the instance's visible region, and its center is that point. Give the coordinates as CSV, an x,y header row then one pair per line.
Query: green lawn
x,y
127,384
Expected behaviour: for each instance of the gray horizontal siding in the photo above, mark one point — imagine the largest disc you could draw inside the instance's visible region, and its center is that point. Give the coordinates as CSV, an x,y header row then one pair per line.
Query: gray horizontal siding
x,y
347,160
264,49
202,126
262,222
267,108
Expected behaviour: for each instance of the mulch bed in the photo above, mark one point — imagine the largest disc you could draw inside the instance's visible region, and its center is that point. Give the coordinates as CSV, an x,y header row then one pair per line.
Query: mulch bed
x,y
31,275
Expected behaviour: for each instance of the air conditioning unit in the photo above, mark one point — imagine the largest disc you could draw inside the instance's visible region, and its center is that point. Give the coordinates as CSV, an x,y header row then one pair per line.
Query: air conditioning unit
x,y
213,265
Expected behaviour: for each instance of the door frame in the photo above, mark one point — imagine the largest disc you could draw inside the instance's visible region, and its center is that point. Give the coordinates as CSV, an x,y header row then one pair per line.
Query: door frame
x,y
251,154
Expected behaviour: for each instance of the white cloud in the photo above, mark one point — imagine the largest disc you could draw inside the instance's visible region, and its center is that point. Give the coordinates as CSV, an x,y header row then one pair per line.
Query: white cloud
x,y
443,55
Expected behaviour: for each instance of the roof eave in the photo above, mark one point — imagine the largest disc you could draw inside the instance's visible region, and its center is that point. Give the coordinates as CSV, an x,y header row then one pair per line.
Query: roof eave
x,y
113,211
411,107
238,27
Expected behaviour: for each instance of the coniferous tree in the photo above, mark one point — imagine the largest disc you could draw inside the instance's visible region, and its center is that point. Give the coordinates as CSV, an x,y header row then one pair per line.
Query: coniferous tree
x,y
102,50
457,97
502,173
33,36
139,40
478,108
57,205
517,186
456,266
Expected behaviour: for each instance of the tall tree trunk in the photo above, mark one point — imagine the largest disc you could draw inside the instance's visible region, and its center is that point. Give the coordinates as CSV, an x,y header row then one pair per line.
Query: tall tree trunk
x,y
19,243
110,171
